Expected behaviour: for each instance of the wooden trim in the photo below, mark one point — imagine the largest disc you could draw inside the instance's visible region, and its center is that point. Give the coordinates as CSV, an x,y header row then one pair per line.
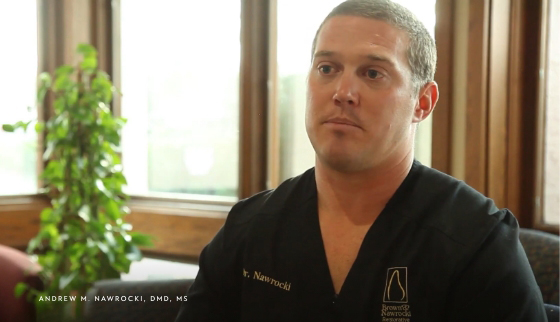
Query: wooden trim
x,y
442,119
19,220
253,97
538,216
101,32
522,126
46,44
179,233
459,93
116,54
76,28
551,149
194,208
515,120
51,32
499,45
181,236
274,168
529,89
477,95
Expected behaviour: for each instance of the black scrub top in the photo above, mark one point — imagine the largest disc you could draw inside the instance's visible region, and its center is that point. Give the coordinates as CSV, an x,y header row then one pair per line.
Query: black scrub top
x,y
439,251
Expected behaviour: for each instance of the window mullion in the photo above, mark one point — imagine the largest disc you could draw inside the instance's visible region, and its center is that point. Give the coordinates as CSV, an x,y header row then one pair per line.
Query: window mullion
x,y
253,118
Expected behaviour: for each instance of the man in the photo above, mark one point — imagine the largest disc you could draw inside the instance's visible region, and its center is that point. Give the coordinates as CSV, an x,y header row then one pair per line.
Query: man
x,y
369,234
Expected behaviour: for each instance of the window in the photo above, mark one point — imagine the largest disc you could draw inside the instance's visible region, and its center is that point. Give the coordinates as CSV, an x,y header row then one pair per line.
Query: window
x,y
294,56
551,196
180,85
18,63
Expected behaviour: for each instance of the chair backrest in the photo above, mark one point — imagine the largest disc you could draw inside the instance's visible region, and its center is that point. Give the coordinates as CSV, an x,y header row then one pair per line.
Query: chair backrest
x,y
552,312
14,265
151,300
543,250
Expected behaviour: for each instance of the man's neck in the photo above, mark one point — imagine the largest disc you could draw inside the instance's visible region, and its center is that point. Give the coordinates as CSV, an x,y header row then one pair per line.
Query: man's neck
x,y
360,196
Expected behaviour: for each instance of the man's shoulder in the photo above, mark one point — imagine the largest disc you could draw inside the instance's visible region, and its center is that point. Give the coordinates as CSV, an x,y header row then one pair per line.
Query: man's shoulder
x,y
454,208
448,192
270,202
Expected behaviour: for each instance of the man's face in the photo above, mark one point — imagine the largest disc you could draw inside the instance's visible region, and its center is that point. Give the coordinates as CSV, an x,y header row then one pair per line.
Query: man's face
x,y
360,100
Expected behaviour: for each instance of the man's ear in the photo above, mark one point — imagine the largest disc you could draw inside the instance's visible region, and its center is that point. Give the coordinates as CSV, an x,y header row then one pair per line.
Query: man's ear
x,y
427,99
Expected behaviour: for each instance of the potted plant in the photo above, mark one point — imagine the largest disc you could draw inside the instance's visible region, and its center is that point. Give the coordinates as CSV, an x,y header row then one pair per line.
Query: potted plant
x,y
83,237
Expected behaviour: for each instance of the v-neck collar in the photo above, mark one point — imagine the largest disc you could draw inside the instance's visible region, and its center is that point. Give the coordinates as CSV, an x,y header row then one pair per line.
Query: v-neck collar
x,y
374,236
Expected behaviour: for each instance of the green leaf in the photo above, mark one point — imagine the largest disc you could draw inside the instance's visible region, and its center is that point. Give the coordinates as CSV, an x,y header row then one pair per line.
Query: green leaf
x,y
42,306
62,129
45,79
89,63
108,251
97,227
86,50
77,250
66,279
133,253
72,96
51,145
85,213
59,106
47,259
110,239
103,247
41,93
126,237
63,70
8,127
122,264
112,209
20,288
33,243
24,125
46,214
141,239
62,83
99,184
50,230
39,127
125,210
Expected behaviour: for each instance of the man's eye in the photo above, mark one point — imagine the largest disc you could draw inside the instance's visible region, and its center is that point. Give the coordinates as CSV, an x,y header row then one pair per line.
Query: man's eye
x,y
325,69
373,74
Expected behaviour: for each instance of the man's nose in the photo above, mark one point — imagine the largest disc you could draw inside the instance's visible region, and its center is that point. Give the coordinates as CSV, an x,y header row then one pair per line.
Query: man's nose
x,y
347,93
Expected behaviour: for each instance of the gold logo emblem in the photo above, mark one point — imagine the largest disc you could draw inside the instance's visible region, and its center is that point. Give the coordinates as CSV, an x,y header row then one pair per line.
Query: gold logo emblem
x,y
396,285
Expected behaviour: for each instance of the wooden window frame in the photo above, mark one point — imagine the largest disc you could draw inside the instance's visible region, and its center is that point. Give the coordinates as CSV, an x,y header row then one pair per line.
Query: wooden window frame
x,y
186,225
485,134
541,102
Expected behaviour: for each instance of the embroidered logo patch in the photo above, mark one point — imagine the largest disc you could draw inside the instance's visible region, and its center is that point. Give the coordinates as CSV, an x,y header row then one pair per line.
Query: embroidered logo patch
x,y
396,285
396,291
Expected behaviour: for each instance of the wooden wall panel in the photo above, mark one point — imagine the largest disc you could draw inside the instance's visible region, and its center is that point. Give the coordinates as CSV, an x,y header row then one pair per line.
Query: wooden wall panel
x,y
497,180
495,134
253,134
442,119
179,236
515,120
101,32
524,83
19,219
182,236
18,227
477,95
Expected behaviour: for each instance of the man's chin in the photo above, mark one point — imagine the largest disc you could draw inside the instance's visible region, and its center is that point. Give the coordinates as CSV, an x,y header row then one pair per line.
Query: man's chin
x,y
342,162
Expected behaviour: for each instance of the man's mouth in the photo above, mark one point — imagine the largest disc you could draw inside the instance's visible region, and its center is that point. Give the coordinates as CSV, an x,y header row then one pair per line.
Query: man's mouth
x,y
341,121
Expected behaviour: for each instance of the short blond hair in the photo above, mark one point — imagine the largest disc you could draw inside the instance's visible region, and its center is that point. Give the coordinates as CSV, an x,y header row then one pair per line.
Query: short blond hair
x,y
421,51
